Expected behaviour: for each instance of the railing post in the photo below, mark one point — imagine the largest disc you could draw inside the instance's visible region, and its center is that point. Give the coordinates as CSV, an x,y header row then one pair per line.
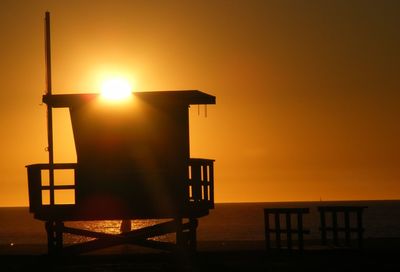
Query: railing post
x,y
278,230
347,227
360,229
267,230
212,184
289,230
204,183
335,228
196,180
300,230
323,226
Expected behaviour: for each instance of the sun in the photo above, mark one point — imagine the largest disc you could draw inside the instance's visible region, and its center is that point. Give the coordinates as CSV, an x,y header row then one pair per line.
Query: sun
x,y
116,89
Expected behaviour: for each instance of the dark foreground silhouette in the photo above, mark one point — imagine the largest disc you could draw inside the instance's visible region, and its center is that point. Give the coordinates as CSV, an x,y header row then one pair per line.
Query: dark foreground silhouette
x,y
237,260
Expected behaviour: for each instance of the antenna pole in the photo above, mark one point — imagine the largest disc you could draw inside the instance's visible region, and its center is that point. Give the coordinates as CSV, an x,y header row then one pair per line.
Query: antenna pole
x,y
49,108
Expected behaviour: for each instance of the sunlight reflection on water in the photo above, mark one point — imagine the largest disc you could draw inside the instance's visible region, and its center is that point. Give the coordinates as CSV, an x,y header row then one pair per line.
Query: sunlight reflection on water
x,y
111,227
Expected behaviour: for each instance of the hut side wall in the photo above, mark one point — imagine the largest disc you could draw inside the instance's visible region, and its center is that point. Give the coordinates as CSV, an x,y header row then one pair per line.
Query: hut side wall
x,y
131,160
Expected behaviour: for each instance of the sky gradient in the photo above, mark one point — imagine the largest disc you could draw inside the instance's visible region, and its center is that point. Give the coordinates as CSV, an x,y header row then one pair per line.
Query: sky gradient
x,y
308,92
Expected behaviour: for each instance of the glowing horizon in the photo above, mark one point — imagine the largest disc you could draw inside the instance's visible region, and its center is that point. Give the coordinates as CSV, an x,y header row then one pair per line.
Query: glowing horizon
x,y
307,93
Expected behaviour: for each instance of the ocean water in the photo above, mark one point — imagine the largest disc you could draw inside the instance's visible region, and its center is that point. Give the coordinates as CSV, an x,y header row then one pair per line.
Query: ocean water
x,y
227,222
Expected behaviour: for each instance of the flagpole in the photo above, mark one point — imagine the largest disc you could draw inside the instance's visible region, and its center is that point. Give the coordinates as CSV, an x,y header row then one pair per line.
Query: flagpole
x,y
49,107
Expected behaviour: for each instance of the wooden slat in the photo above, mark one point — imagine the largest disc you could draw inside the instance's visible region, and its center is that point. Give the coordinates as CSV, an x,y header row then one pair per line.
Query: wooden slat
x,y
58,187
340,208
287,210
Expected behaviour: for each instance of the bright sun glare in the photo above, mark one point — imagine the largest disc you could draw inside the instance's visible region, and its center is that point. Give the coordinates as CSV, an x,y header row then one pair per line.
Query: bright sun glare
x,y
116,89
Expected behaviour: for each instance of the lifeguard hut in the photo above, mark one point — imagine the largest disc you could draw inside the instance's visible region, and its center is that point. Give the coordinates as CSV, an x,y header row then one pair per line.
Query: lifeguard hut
x,y
133,162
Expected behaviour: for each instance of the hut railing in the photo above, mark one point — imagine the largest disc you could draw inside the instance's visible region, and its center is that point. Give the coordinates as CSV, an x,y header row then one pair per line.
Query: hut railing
x,y
201,182
38,186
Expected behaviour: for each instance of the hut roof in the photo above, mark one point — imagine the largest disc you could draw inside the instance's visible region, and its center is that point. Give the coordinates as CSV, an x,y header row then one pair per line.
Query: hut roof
x,y
188,97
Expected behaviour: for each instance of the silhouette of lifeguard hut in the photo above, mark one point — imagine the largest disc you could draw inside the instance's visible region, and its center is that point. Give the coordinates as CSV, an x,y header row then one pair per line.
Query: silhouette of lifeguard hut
x,y
133,162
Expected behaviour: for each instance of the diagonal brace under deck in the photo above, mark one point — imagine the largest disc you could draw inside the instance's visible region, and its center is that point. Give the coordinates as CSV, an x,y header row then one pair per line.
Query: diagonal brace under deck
x,y
137,237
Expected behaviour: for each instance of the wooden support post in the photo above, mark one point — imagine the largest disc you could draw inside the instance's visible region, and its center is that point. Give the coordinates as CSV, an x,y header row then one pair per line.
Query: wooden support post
x,y
50,236
186,235
193,223
59,235
179,232
54,231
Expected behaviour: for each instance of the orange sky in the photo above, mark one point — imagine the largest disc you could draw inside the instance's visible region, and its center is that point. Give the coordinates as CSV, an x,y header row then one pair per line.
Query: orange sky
x,y
307,91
